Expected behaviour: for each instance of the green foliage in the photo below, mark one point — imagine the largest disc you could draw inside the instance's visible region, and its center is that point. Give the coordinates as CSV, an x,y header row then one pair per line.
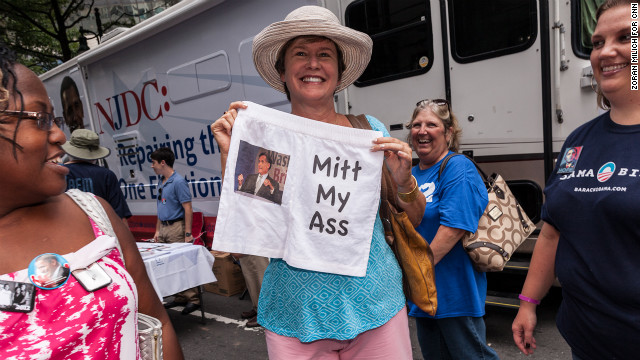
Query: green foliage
x,y
46,33
43,32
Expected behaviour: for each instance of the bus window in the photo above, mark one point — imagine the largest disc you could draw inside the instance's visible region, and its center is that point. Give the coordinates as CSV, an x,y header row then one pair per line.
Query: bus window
x,y
483,29
584,20
401,34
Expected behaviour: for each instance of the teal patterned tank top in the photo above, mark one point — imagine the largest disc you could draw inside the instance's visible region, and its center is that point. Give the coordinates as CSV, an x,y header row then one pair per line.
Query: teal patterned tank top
x,y
311,305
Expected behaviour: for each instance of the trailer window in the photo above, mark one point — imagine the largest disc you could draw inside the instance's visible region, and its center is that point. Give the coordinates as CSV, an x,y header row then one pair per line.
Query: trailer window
x,y
483,29
584,20
401,34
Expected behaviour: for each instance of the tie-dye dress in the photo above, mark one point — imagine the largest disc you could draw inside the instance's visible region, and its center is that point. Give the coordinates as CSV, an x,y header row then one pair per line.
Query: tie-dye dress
x,y
72,323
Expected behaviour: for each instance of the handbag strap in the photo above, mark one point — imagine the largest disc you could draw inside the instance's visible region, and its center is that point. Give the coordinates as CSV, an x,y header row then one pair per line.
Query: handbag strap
x,y
388,187
359,121
491,186
484,176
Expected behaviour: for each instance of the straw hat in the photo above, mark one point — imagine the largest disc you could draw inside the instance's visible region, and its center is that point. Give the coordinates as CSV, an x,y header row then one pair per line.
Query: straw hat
x,y
85,145
311,20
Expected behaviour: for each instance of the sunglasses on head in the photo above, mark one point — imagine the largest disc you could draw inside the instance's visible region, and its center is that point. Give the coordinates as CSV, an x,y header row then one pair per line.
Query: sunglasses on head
x,y
439,102
43,119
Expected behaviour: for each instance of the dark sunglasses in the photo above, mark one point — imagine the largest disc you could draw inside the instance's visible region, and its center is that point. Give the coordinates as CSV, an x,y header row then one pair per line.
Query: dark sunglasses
x,y
43,119
439,102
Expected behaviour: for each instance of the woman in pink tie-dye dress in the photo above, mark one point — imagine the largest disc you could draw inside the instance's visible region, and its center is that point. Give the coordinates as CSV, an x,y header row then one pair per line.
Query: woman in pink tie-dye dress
x,y
37,217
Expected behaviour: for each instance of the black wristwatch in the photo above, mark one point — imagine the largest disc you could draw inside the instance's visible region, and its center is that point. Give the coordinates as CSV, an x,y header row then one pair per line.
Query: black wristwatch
x,y
187,234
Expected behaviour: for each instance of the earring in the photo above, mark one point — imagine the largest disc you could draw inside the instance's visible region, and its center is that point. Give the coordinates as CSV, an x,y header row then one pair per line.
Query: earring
x,y
594,87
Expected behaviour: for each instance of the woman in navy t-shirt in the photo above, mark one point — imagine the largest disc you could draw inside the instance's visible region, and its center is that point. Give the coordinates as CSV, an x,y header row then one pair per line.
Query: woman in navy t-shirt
x,y
590,238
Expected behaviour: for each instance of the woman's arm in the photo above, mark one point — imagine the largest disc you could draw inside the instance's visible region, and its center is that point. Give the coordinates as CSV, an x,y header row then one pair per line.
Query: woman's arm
x,y
461,197
148,301
443,242
397,158
221,130
414,208
539,279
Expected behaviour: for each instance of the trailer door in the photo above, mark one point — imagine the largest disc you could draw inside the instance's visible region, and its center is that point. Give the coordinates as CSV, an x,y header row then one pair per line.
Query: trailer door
x,y
483,55
406,65
495,71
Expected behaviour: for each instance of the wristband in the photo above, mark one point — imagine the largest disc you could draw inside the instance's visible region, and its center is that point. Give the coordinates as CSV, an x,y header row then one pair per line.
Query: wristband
x,y
528,299
411,195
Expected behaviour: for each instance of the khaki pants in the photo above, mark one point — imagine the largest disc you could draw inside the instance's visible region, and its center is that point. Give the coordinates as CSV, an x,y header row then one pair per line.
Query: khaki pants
x,y
253,268
172,234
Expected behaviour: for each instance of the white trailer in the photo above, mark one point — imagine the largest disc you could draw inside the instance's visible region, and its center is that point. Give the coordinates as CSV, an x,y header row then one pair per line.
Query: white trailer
x,y
515,71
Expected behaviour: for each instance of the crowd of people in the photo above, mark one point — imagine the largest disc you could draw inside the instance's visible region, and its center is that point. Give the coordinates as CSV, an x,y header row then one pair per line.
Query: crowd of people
x,y
49,229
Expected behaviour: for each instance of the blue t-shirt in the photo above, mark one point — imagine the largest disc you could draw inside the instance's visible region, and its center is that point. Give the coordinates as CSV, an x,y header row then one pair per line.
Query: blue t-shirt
x,y
171,195
99,181
596,209
457,201
311,305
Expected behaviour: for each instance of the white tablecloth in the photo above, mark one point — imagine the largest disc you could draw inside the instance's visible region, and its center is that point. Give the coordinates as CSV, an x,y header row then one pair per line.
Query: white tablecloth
x,y
176,267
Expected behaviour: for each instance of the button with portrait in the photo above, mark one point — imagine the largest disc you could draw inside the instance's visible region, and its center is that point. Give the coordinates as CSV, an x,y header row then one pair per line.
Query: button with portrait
x,y
48,271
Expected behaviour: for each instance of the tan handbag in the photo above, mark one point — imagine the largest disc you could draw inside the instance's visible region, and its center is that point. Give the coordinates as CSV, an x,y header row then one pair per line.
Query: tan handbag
x,y
412,251
149,337
502,228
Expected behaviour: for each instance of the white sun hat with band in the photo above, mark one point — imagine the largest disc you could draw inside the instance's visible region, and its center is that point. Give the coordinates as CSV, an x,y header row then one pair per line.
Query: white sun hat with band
x,y
315,21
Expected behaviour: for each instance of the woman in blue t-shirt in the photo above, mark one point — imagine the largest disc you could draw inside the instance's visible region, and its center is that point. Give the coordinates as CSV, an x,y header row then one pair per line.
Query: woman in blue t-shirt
x,y
590,239
455,202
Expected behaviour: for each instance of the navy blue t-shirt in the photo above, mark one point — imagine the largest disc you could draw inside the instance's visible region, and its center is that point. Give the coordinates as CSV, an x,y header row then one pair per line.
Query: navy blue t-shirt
x,y
99,181
593,200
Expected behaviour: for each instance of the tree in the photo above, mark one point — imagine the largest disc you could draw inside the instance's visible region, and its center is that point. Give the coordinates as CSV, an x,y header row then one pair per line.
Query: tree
x,y
46,33
43,32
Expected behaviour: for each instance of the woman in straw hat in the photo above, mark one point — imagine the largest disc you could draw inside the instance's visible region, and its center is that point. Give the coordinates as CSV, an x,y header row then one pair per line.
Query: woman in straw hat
x,y
310,56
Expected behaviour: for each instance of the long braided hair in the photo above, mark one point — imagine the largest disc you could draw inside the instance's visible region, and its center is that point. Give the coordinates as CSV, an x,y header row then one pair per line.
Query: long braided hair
x,y
8,76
